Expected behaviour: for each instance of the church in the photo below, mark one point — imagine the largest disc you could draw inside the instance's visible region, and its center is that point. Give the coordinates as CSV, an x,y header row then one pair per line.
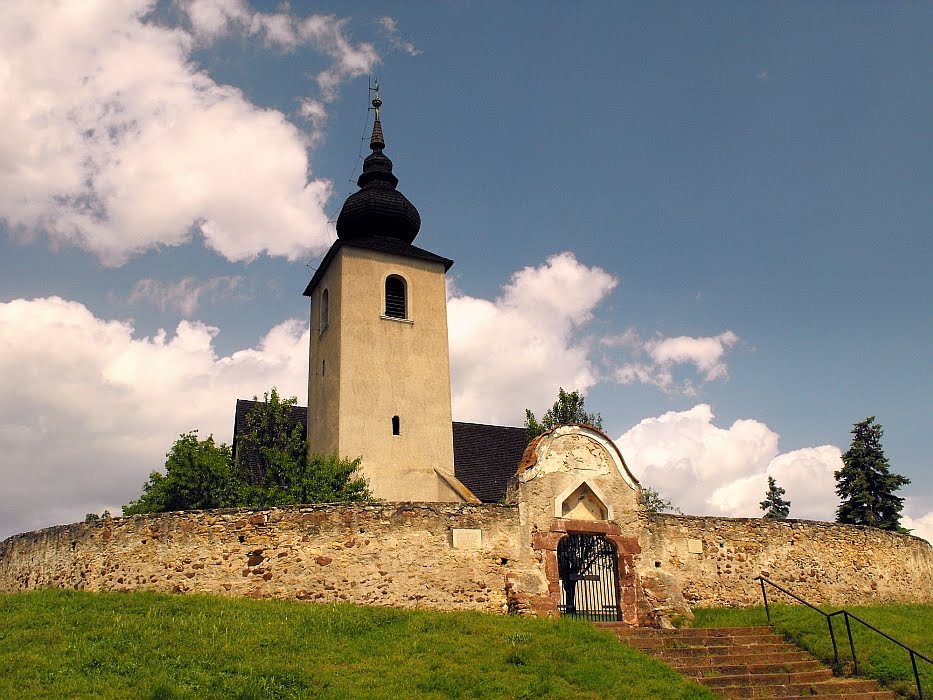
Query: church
x,y
379,367
467,516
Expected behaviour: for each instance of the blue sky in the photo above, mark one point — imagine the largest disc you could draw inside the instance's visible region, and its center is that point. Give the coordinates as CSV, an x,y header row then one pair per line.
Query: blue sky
x,y
714,219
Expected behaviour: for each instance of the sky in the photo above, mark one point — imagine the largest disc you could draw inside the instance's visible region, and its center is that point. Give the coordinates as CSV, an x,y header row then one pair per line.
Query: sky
x,y
713,219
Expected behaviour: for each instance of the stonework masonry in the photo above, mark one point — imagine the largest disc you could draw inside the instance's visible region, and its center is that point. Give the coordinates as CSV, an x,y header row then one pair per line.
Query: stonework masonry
x,y
494,558
399,554
714,561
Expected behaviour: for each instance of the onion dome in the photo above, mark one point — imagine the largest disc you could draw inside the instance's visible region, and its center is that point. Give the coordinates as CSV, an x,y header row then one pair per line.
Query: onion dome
x,y
378,209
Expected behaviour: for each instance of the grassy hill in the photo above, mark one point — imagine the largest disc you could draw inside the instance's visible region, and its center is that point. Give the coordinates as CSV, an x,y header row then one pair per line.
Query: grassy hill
x,y
65,644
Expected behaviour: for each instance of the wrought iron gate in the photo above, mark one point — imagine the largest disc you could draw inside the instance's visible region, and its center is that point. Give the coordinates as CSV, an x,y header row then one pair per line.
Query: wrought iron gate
x,y
589,575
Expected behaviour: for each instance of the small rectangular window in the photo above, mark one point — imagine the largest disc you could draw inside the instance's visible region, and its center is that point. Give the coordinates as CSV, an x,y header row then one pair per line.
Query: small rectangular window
x,y
325,309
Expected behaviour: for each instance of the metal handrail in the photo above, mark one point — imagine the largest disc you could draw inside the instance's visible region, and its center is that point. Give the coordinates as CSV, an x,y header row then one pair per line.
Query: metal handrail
x,y
914,654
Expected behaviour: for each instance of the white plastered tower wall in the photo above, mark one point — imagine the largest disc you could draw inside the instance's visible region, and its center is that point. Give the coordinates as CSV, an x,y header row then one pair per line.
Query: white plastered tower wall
x,y
367,369
379,365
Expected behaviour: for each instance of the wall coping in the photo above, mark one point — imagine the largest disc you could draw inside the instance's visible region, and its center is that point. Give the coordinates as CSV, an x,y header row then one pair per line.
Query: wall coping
x,y
362,506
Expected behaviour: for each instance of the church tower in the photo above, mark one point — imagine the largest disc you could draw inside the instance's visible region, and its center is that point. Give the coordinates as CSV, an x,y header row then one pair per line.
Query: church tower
x,y
379,370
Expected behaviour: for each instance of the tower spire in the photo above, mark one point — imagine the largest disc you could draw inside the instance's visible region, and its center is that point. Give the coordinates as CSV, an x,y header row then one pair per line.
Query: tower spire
x,y
378,208
378,141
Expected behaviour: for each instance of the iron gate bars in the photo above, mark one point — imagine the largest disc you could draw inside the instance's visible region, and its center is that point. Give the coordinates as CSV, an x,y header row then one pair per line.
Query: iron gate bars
x,y
589,573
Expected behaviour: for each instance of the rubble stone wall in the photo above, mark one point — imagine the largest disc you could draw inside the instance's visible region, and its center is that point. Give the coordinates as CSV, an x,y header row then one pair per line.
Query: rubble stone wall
x,y
494,558
714,561
441,556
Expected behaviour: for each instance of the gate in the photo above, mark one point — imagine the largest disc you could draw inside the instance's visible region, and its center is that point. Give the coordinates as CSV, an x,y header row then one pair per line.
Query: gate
x,y
589,572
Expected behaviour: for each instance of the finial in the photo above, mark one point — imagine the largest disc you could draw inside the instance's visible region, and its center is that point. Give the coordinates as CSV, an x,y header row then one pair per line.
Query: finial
x,y
377,142
378,208
377,103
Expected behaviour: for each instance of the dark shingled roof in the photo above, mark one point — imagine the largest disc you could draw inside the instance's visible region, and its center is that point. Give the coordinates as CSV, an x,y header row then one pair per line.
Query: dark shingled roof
x,y
485,456
381,244
378,207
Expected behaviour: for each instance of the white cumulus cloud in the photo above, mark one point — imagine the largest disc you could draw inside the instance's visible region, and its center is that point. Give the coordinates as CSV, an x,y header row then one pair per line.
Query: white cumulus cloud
x,y
89,409
390,29
708,470
921,526
655,360
114,140
515,351
328,34
185,295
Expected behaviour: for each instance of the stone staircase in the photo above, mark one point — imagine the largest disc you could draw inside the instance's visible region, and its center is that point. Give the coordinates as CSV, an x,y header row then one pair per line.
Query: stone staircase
x,y
746,662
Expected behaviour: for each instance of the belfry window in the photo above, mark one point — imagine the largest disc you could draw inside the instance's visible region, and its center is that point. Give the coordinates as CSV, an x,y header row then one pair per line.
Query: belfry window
x,y
325,309
396,300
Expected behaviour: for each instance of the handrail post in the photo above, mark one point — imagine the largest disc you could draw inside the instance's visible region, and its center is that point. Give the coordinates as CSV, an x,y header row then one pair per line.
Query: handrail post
x,y
845,614
832,632
832,636
913,662
764,594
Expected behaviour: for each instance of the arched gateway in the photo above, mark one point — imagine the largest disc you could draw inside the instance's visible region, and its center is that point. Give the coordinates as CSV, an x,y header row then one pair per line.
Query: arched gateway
x,y
589,577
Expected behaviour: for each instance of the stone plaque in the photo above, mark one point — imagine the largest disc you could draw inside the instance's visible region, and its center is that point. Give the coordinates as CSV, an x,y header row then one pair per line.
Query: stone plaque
x,y
466,539
695,546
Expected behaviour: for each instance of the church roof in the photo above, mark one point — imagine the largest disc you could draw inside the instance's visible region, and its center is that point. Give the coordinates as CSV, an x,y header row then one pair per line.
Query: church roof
x,y
485,456
378,207
381,244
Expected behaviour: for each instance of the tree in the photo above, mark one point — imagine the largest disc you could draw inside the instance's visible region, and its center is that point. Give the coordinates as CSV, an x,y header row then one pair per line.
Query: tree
x,y
774,505
567,410
274,467
273,447
865,485
655,503
94,517
197,475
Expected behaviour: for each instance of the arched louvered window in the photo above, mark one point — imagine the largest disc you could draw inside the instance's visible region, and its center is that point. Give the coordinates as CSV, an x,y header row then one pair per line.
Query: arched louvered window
x,y
325,309
396,301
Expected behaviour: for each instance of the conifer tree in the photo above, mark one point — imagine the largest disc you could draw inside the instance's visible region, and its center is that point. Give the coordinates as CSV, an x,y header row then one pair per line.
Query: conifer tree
x,y
865,484
775,506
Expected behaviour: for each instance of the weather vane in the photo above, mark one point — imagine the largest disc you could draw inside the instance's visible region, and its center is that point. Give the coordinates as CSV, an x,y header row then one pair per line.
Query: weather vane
x,y
377,102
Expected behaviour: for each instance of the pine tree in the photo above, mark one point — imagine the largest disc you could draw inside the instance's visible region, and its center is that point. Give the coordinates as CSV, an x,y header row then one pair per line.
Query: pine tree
x,y
865,485
774,505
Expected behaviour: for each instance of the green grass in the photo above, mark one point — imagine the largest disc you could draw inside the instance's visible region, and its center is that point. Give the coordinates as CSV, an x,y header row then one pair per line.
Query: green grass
x,y
65,644
878,658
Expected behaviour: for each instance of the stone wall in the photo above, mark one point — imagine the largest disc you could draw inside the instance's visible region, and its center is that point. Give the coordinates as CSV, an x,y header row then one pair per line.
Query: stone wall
x,y
441,556
494,558
713,561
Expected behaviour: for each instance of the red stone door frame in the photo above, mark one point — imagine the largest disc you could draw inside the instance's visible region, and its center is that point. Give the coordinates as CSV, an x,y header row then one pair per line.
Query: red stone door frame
x,y
545,542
